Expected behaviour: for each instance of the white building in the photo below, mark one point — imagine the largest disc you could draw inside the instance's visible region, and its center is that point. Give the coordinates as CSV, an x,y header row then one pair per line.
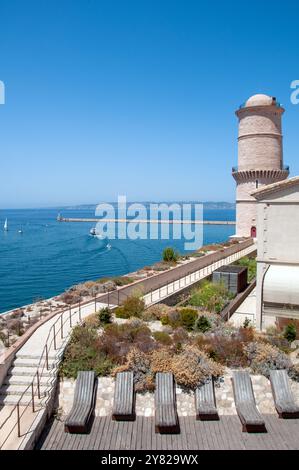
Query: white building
x,y
277,291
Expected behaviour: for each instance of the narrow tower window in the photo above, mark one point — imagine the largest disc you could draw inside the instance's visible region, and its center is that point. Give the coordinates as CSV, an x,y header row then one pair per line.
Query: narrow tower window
x,y
256,183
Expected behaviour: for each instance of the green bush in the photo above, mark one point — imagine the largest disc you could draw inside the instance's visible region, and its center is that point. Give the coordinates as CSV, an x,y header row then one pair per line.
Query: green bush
x,y
165,320
83,353
133,306
188,317
162,337
210,296
202,324
250,263
105,315
247,323
169,254
290,332
122,280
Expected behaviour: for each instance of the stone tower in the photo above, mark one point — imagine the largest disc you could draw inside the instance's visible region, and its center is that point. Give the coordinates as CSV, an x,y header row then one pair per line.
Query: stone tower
x,y
260,156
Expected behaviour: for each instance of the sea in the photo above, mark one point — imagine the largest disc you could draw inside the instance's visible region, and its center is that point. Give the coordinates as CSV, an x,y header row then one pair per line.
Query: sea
x,y
48,256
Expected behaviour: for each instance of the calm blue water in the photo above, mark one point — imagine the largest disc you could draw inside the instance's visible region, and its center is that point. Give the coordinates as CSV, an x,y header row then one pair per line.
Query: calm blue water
x,y
49,256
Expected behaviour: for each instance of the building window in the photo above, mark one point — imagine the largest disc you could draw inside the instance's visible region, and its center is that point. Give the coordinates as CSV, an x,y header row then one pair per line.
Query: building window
x,y
256,183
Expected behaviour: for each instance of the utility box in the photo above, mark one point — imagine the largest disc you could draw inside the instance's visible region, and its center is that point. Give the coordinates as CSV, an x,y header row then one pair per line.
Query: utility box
x,y
233,277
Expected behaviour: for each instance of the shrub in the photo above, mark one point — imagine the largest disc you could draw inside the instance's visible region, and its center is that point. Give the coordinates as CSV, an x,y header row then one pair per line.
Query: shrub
x,y
83,353
210,296
193,367
294,372
202,324
169,254
155,312
105,315
283,322
121,313
92,321
290,332
162,337
190,367
188,317
180,335
246,323
250,263
117,340
133,306
227,350
139,363
15,326
123,280
264,357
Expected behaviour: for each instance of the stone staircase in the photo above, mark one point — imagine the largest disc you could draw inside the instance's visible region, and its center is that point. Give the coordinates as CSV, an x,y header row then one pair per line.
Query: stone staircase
x,y
19,378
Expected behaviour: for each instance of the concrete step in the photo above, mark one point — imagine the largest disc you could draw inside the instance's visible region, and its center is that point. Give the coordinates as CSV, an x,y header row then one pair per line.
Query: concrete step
x,y
36,357
18,390
14,379
13,400
20,362
29,371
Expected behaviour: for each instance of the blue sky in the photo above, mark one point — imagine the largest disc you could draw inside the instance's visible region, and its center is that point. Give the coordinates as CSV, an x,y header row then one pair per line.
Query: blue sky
x,y
136,97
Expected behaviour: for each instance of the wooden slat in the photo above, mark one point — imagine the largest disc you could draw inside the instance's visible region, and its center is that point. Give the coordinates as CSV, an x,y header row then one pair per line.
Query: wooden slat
x,y
249,415
205,402
80,414
124,402
282,395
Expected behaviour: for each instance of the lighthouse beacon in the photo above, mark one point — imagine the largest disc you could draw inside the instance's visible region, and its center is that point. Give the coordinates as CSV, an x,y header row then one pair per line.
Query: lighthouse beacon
x,y
260,157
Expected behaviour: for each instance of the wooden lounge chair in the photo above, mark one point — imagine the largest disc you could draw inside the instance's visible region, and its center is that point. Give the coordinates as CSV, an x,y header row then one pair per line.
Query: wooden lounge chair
x,y
79,418
249,415
205,402
283,398
124,397
166,418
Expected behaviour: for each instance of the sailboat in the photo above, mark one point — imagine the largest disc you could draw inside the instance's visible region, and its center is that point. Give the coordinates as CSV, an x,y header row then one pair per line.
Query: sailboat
x,y
5,225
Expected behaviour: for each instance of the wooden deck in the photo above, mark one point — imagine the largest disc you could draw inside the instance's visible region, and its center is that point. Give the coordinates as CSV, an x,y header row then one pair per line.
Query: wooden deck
x,y
107,434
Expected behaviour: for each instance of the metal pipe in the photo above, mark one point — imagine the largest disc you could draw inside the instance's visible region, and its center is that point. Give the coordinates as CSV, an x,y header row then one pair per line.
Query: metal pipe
x,y
32,393
38,384
61,326
18,420
47,359
54,337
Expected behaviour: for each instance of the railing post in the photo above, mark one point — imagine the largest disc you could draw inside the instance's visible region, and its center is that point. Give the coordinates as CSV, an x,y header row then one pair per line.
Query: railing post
x,y
47,359
18,420
70,317
38,384
54,337
61,325
95,303
32,393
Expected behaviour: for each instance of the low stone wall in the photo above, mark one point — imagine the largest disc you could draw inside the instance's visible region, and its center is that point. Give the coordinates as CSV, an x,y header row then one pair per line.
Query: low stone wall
x,y
185,401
